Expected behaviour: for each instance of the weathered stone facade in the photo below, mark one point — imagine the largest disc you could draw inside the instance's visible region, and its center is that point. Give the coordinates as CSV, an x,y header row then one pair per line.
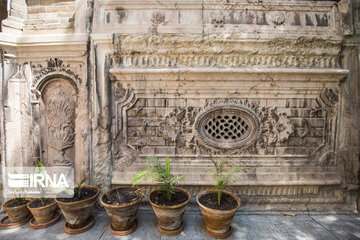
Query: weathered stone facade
x,y
269,85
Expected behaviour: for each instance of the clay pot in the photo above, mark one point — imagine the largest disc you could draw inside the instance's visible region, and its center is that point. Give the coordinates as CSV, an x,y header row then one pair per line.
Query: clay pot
x,y
17,213
217,222
77,214
169,218
122,216
43,214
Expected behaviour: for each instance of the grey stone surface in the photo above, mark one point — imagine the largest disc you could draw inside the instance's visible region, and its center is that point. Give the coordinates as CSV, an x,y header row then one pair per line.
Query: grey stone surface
x,y
275,226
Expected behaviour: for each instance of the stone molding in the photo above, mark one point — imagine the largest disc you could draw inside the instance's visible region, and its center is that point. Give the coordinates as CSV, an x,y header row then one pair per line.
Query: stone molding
x,y
265,126
222,51
214,16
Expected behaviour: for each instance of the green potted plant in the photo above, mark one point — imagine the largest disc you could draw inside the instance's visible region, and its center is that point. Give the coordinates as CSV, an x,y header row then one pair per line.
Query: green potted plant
x,y
17,212
16,209
168,201
121,204
78,209
43,209
218,206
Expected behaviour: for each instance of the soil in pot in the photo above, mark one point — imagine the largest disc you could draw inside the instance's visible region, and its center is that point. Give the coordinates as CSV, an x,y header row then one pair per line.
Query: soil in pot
x,y
120,196
86,193
159,198
78,210
121,205
37,203
16,204
210,200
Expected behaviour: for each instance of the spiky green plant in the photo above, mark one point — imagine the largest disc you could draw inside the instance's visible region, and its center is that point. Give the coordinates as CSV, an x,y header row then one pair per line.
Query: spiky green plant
x,y
223,178
39,169
161,174
80,186
18,193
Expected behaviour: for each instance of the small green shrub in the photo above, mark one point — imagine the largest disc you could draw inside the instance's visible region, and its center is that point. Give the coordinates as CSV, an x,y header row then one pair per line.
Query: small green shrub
x,y
39,169
80,186
161,174
223,178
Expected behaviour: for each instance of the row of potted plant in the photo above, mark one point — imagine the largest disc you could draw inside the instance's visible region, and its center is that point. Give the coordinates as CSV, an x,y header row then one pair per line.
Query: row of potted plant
x,y
169,202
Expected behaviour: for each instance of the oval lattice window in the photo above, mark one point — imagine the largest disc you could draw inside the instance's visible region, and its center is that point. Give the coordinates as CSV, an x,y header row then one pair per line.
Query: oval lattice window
x,y
226,127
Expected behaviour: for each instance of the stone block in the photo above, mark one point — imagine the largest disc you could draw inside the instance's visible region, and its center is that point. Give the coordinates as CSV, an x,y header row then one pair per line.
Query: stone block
x,y
168,151
175,102
36,10
155,102
147,151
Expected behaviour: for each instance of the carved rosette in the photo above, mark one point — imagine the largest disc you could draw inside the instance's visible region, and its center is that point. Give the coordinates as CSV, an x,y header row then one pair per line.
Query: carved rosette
x,y
227,126
60,113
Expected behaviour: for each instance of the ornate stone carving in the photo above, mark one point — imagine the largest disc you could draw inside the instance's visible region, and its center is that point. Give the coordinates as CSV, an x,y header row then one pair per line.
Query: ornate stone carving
x,y
123,153
326,107
275,128
60,113
157,18
277,18
328,159
54,66
205,52
218,18
226,125
35,129
172,125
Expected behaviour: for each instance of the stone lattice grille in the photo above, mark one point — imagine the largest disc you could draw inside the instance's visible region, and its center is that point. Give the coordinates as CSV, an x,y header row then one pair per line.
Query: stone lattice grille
x,y
226,127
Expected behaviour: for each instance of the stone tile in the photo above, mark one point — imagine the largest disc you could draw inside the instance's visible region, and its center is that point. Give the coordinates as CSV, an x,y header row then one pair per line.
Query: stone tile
x,y
299,227
342,226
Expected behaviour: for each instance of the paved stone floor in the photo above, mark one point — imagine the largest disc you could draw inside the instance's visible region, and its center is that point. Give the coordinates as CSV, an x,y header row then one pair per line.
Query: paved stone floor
x,y
245,226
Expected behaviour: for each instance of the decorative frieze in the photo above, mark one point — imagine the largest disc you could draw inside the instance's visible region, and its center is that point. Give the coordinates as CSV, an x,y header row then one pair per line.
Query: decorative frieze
x,y
212,16
227,125
220,51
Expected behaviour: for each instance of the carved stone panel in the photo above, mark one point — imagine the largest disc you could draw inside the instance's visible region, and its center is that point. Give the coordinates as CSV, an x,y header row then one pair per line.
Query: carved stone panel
x,y
58,122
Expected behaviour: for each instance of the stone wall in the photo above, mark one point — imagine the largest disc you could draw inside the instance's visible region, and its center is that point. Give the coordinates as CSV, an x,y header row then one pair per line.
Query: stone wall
x,y
269,85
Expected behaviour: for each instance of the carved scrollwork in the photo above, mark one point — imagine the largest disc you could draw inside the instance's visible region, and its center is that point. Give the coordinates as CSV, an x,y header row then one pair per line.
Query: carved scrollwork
x,y
275,128
53,67
124,154
226,125
60,113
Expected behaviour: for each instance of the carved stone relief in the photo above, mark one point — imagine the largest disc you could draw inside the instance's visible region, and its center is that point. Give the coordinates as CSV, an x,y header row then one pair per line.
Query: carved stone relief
x,y
53,67
60,113
123,153
326,106
226,125
58,128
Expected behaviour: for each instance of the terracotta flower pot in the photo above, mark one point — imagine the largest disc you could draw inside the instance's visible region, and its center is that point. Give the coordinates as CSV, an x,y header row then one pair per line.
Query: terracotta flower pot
x,y
217,222
43,214
170,217
16,213
78,214
122,216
